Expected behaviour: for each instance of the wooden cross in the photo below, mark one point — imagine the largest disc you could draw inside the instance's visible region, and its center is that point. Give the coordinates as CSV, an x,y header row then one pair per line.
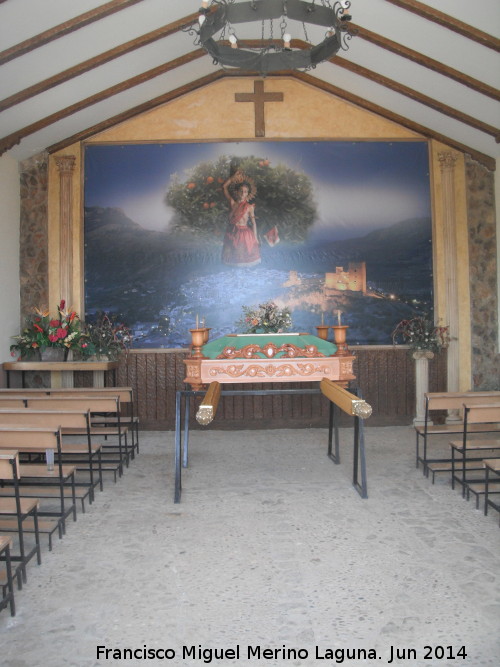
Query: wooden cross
x,y
259,98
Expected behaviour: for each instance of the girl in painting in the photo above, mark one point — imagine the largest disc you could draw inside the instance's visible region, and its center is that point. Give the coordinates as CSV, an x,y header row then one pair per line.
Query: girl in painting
x,y
241,245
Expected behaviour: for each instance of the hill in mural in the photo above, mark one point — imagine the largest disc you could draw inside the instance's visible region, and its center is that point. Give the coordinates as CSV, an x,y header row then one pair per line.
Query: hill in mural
x,y
157,285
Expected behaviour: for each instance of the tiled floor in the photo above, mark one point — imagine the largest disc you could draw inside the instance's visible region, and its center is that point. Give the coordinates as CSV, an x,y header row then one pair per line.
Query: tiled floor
x,y
270,549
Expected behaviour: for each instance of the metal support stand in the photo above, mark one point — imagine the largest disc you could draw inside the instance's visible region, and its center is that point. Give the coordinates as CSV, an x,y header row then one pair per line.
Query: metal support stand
x,y
359,459
181,454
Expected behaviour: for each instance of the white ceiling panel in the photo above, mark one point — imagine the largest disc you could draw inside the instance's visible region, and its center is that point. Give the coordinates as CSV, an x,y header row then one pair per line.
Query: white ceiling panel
x,y
22,20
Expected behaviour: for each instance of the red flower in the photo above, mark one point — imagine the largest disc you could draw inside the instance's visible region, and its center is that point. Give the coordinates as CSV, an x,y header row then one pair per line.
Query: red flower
x,y
62,304
53,338
72,316
38,328
61,333
55,323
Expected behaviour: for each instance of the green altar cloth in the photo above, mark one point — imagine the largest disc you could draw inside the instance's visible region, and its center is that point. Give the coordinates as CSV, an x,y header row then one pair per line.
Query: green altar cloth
x,y
215,347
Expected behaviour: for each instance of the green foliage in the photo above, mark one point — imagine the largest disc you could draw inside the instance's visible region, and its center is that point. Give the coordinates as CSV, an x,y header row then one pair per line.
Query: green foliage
x,y
284,198
420,333
106,338
265,318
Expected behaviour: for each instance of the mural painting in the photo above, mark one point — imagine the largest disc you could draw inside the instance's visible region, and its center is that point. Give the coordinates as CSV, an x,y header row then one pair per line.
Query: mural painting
x,y
180,232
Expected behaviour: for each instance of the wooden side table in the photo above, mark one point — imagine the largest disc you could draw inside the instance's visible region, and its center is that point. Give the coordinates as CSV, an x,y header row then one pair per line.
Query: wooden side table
x,y
61,372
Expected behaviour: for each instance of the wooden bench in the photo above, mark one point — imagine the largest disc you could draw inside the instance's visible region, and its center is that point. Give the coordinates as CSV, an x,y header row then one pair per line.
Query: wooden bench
x,y
18,510
86,456
440,402
109,405
472,449
116,454
6,576
125,394
492,470
51,483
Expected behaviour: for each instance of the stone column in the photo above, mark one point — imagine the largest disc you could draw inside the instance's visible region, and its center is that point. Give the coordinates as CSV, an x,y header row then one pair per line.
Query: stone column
x,y
447,162
421,383
66,167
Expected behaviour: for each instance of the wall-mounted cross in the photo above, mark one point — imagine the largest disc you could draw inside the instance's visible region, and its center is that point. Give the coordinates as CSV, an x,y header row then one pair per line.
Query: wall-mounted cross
x,y
259,98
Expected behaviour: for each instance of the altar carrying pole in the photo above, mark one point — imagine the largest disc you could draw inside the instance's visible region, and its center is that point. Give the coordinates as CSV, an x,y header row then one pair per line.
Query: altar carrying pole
x,y
208,406
354,406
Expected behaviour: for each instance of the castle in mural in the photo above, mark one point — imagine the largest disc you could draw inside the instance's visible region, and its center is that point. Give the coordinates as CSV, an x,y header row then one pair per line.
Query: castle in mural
x,y
353,280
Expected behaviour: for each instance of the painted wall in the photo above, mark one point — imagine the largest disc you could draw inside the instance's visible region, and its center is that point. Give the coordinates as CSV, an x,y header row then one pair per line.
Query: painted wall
x,y
9,254
212,114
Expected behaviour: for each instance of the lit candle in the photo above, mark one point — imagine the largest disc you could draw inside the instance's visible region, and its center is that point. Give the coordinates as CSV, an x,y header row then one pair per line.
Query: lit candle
x,y
322,318
197,321
203,321
338,315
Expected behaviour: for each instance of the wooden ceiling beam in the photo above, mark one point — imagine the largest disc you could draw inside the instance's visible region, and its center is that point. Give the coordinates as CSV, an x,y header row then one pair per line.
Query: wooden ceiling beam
x,y
397,87
447,21
141,108
64,29
14,138
486,160
418,97
96,61
430,63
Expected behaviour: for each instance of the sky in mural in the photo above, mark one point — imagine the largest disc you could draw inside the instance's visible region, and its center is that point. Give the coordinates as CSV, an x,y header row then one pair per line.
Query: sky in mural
x,y
358,186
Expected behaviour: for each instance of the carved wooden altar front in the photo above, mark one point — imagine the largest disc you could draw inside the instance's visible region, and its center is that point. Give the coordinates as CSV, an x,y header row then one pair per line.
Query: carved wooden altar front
x,y
267,361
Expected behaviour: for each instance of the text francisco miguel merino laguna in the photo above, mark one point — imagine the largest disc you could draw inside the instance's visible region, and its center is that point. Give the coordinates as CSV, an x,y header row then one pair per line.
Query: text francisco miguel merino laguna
x,y
207,655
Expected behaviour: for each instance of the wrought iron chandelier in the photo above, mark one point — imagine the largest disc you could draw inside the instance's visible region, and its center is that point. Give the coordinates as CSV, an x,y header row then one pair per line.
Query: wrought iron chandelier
x,y
223,26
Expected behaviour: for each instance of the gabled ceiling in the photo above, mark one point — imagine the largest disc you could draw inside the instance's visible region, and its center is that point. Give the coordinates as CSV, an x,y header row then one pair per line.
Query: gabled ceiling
x,y
67,69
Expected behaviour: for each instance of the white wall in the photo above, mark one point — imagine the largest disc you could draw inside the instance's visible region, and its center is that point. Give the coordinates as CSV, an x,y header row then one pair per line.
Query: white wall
x,y
9,255
497,212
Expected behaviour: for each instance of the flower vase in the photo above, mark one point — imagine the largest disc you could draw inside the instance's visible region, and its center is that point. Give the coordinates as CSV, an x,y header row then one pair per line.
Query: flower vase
x,y
53,354
421,383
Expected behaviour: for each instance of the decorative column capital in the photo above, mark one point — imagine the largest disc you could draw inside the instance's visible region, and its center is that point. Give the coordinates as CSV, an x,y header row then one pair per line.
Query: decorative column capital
x,y
65,164
447,160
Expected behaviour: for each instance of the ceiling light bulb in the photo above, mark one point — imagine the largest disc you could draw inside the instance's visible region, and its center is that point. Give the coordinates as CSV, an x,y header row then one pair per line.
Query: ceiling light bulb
x,y
201,19
204,4
234,41
287,39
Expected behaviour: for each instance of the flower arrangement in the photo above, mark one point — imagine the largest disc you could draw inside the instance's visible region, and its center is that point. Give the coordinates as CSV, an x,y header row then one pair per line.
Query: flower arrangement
x,y
420,333
43,331
265,318
106,338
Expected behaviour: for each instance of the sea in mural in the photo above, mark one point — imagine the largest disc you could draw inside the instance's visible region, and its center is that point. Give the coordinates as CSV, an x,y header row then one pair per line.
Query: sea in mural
x,y
341,226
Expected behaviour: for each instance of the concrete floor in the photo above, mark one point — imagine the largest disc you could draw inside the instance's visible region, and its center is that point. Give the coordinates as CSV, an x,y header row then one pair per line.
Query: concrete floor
x,y
270,548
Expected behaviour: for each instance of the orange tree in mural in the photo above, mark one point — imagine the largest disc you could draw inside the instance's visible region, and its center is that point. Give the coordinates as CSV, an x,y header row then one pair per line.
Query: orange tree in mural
x,y
284,199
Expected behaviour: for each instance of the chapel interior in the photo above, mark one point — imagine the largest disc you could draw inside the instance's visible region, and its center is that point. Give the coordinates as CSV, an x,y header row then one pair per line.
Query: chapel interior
x,y
326,523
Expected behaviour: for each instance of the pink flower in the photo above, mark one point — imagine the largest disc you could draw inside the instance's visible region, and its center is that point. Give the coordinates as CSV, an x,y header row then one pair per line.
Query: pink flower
x,y
54,323
53,338
61,333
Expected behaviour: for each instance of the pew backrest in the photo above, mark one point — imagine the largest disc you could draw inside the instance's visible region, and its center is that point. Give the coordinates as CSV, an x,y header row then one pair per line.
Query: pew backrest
x,y
29,438
9,464
109,404
52,418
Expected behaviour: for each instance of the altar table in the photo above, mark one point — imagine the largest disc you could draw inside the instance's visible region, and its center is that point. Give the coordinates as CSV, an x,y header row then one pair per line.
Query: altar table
x,y
61,372
247,358
263,358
